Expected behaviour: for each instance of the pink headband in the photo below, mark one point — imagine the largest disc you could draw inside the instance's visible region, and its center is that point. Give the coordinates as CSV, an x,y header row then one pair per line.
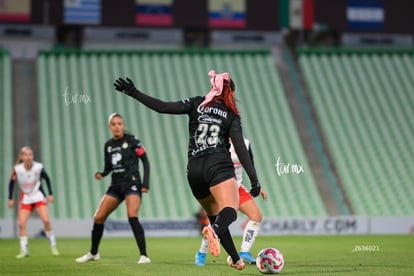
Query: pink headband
x,y
216,81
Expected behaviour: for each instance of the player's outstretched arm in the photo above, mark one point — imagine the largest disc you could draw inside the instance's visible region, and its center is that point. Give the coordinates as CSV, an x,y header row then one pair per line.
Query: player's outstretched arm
x,y
127,87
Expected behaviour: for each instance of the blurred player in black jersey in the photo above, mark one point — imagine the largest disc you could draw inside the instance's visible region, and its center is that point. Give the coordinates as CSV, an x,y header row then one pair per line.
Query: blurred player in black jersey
x,y
122,152
210,172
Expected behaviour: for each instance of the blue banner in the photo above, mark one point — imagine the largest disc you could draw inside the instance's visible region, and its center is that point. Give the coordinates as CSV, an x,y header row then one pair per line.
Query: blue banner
x,y
365,15
82,12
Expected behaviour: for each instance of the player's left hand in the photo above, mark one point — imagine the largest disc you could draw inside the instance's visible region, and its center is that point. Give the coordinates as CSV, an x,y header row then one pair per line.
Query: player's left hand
x,y
144,190
255,189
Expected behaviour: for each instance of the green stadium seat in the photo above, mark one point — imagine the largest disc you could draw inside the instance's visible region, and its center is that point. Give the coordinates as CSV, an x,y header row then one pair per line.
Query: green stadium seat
x,y
72,135
363,100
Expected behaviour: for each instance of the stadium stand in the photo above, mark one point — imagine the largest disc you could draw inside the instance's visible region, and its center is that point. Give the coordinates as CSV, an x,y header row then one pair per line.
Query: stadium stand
x,y
6,136
76,96
312,138
363,100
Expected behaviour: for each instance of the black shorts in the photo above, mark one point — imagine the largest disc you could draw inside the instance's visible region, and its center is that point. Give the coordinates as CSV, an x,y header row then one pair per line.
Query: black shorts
x,y
208,171
123,189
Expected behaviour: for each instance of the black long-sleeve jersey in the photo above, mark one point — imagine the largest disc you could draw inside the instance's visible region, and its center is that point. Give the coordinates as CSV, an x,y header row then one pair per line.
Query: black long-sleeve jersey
x,y
121,157
209,127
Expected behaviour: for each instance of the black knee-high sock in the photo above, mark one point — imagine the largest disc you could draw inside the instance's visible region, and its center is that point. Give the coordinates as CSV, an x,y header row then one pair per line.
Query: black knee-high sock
x,y
212,219
226,216
225,237
138,234
97,232
227,242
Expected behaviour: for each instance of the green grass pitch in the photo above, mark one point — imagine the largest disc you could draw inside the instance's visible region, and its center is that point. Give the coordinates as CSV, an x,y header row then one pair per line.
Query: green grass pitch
x,y
304,255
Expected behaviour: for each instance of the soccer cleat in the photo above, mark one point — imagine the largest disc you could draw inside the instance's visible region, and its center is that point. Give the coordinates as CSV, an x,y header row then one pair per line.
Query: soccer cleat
x,y
88,257
240,265
247,257
200,258
22,254
54,251
213,240
144,260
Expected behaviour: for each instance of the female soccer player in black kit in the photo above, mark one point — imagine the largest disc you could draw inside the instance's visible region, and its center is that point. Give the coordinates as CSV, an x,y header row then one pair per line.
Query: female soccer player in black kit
x,y
210,172
122,152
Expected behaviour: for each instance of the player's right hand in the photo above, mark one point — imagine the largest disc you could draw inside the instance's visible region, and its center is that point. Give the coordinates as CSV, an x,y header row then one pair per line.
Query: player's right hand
x,y
125,86
98,176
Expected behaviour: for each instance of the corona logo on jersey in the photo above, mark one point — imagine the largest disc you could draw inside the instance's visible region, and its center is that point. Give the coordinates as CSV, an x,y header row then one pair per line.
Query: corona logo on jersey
x,y
213,110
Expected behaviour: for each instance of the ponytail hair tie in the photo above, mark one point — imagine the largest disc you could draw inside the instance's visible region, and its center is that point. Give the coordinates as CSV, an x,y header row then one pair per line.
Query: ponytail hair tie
x,y
217,83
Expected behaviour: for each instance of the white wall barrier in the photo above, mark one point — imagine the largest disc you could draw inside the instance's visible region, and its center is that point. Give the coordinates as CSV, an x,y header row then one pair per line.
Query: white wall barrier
x,y
342,225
